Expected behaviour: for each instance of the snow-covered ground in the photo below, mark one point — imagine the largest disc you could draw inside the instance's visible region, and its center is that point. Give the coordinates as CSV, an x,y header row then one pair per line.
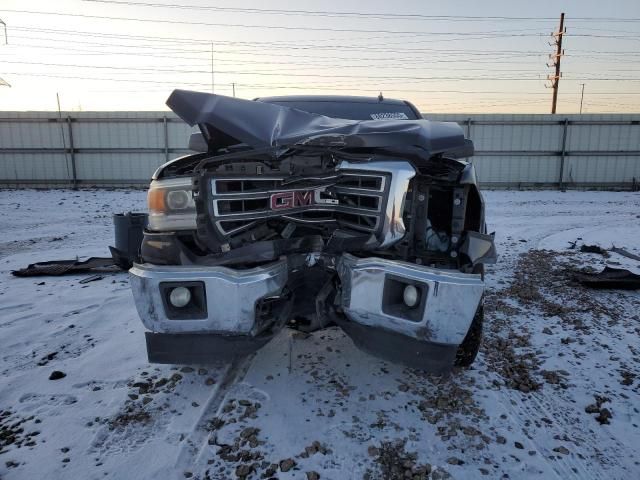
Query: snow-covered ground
x,y
553,394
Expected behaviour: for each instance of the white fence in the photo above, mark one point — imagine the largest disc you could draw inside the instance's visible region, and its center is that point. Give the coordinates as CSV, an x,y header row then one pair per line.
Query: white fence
x,y
124,148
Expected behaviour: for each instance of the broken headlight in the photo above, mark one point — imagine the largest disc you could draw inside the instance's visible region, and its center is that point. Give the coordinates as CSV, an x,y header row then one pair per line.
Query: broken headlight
x,y
171,205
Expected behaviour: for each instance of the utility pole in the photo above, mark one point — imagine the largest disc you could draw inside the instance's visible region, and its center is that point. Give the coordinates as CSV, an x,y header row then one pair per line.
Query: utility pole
x,y
212,74
581,97
4,83
233,85
555,79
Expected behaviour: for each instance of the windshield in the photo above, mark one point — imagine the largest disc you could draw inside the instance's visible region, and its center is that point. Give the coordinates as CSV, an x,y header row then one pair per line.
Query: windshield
x,y
353,110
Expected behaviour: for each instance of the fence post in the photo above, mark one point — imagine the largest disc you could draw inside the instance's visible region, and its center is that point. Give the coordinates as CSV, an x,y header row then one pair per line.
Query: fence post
x,y
562,153
468,122
74,180
166,138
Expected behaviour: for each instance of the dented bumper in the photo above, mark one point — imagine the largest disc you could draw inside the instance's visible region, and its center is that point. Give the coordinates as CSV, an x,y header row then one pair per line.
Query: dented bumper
x,y
425,336
230,296
241,310
372,295
235,312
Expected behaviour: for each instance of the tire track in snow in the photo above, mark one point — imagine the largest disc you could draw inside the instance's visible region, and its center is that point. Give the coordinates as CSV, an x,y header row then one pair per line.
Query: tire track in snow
x,y
563,468
196,442
566,466
589,436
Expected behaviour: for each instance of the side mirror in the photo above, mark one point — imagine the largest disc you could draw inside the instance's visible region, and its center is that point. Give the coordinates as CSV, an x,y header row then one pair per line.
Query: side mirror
x,y
197,143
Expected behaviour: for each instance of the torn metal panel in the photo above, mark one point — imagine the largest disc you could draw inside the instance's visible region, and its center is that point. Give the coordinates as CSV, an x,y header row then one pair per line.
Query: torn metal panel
x,y
480,248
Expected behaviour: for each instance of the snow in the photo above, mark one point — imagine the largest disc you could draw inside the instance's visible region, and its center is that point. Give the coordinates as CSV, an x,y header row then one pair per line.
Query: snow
x,y
95,423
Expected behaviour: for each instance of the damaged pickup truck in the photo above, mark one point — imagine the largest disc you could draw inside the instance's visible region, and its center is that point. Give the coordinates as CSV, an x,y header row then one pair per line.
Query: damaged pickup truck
x,y
308,212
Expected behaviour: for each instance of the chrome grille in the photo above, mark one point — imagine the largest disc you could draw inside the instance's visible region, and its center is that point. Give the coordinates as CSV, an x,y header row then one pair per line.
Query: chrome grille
x,y
350,200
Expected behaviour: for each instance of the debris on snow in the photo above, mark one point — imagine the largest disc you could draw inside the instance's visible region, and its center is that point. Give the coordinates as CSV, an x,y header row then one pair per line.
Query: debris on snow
x,y
57,375
550,344
612,278
594,249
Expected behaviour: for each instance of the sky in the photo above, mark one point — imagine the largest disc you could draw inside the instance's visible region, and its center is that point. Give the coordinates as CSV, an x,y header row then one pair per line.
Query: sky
x,y
449,56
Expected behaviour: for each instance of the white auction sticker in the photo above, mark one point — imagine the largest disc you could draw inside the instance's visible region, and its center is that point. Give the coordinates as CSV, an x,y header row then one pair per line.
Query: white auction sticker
x,y
389,116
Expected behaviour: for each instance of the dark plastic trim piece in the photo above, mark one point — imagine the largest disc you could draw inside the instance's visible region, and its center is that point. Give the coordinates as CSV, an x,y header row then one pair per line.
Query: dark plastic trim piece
x,y
200,348
431,357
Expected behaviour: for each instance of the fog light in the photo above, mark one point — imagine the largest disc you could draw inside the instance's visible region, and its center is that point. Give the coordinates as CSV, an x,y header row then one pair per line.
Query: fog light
x,y
411,296
180,297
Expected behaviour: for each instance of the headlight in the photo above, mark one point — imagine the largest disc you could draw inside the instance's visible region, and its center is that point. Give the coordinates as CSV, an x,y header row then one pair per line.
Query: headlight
x,y
171,205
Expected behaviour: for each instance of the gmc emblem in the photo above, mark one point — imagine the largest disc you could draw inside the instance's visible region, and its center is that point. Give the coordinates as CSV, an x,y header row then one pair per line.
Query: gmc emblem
x,y
299,198
285,200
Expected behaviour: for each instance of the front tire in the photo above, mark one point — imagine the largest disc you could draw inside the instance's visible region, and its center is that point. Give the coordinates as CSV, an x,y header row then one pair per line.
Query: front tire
x,y
468,349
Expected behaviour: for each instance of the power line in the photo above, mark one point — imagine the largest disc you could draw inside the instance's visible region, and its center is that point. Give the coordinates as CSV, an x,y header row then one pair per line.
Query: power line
x,y
158,52
315,75
352,64
300,46
321,13
292,64
303,75
206,41
445,52
347,14
269,45
188,40
310,43
296,86
616,30
110,79
279,27
635,38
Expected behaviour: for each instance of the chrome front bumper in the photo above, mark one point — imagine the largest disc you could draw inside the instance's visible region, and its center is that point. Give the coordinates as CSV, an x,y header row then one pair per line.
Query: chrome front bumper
x,y
443,317
429,333
231,296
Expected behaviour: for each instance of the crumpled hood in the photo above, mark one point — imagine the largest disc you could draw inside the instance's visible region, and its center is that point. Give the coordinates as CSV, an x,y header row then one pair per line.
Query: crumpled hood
x,y
226,121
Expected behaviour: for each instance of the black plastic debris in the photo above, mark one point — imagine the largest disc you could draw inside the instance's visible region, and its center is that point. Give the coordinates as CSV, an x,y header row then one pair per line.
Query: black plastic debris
x,y
129,231
92,278
609,278
65,267
594,249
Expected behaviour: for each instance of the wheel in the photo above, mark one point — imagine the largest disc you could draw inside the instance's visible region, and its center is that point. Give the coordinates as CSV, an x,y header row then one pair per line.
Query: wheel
x,y
468,349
